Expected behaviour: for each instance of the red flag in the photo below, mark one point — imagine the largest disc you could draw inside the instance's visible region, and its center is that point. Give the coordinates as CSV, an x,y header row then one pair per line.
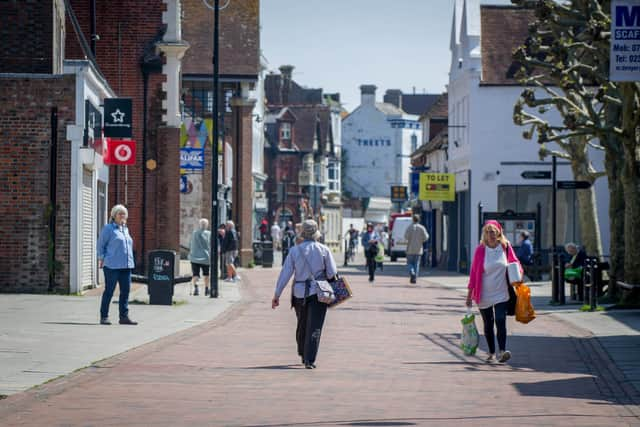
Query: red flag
x,y
119,152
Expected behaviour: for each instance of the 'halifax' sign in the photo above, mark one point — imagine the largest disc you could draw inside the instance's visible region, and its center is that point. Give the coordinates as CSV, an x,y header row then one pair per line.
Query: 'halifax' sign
x,y
117,118
192,158
625,41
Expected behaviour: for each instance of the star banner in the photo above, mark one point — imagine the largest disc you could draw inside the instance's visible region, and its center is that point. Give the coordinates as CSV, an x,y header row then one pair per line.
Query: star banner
x,y
117,117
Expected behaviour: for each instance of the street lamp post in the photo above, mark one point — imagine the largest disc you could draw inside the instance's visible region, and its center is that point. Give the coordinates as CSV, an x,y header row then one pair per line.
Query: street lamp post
x,y
215,132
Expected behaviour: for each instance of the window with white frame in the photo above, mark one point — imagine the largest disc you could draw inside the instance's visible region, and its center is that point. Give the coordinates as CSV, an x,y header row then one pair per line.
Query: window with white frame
x,y
285,131
333,183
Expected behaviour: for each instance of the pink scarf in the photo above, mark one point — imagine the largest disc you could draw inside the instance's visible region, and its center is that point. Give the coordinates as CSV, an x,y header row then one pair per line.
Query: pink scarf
x,y
477,268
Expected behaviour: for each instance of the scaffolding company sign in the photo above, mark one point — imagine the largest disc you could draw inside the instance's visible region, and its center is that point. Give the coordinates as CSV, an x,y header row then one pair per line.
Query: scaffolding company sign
x,y
437,186
625,41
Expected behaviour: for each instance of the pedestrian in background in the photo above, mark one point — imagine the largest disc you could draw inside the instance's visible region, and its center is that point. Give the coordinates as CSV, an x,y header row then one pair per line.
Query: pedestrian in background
x,y
307,260
525,251
288,240
199,255
415,235
276,236
370,241
230,247
222,228
488,286
115,257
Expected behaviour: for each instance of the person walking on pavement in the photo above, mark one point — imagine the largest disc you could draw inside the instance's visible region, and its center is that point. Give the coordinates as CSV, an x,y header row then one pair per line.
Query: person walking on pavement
x,y
276,236
306,260
370,241
488,286
288,240
230,248
415,235
199,250
115,257
525,251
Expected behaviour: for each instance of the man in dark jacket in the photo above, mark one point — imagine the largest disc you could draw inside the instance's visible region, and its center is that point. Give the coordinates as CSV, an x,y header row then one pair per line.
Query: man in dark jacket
x,y
230,250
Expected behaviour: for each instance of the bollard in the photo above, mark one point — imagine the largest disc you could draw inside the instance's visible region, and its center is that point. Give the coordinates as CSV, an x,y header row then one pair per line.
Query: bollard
x,y
346,252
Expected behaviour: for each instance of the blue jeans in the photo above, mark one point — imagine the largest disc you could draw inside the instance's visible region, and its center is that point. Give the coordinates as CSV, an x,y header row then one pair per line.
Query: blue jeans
x,y
111,277
413,262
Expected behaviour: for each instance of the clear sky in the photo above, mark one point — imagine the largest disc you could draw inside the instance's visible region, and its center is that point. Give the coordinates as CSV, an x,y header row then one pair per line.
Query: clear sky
x,y
337,45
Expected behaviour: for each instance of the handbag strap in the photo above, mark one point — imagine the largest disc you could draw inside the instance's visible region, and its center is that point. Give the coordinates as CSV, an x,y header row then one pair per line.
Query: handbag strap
x,y
311,275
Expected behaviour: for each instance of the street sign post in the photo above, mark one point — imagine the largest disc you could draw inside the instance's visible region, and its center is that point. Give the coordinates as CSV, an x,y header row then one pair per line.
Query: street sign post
x,y
573,185
536,174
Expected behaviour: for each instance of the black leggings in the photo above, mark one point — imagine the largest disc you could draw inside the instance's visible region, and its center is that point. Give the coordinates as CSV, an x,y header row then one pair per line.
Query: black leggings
x,y
500,319
309,328
371,267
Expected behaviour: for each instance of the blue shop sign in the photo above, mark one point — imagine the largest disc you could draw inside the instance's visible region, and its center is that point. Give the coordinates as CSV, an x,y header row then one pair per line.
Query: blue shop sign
x,y
191,158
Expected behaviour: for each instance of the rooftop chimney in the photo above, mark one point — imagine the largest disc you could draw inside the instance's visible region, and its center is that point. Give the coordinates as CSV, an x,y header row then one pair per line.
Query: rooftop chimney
x,y
286,71
394,96
368,94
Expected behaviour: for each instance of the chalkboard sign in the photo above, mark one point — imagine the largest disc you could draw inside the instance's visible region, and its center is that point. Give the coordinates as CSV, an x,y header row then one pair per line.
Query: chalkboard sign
x,y
161,276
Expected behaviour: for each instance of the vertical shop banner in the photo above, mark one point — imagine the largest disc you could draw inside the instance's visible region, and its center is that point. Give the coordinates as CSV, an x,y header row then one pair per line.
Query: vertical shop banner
x,y
437,186
625,41
92,127
194,136
117,118
119,152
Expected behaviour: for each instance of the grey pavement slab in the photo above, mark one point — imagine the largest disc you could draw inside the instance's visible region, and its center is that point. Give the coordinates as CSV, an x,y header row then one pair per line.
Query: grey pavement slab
x,y
46,336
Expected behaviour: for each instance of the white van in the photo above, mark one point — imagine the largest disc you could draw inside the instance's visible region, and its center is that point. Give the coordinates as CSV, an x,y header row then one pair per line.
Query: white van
x,y
397,243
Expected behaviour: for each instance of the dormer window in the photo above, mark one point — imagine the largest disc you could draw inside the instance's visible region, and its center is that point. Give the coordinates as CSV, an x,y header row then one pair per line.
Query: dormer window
x,y
285,131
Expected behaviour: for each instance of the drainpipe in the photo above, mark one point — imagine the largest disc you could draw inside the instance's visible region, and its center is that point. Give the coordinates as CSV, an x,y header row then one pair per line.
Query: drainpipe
x,y
145,107
52,197
92,28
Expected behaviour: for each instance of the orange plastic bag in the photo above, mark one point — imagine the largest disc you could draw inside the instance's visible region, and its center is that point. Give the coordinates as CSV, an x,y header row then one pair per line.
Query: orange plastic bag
x,y
524,309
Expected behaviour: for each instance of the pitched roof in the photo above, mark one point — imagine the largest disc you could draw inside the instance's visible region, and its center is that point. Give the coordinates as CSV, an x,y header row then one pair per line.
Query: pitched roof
x,y
389,109
276,92
310,120
417,104
503,29
439,109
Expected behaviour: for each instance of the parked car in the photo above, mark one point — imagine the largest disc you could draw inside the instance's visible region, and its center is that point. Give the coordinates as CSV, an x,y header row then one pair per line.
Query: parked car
x,y
397,242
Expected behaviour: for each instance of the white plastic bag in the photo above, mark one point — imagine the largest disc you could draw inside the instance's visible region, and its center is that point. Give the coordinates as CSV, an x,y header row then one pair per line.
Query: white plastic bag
x,y
470,339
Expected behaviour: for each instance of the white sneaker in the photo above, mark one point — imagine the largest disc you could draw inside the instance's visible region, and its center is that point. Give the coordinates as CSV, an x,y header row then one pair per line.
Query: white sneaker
x,y
503,356
490,358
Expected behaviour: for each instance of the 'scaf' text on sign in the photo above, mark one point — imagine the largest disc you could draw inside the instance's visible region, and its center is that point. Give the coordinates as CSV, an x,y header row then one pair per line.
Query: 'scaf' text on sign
x,y
437,186
625,41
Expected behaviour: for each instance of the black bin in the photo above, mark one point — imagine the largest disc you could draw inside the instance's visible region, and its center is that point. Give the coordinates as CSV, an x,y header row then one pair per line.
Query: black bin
x,y
267,253
257,252
161,276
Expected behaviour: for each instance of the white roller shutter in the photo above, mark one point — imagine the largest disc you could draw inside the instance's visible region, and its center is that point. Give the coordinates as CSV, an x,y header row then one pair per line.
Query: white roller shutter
x,y
87,245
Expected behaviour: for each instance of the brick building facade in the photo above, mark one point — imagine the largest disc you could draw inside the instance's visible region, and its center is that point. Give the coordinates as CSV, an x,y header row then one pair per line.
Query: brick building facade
x,y
46,65
239,74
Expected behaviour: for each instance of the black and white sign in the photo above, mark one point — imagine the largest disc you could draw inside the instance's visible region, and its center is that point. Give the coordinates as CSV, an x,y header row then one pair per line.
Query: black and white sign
x,y
92,125
536,174
573,185
117,118
625,41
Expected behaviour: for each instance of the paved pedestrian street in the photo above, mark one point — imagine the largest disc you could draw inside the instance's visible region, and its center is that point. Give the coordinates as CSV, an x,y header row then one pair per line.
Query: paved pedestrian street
x,y
388,357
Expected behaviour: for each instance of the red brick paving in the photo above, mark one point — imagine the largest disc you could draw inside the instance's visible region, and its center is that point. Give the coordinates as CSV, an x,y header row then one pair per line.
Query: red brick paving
x,y
388,357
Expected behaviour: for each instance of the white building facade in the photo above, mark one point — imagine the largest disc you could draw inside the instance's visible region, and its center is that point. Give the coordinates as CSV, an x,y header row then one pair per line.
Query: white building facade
x,y
377,140
486,150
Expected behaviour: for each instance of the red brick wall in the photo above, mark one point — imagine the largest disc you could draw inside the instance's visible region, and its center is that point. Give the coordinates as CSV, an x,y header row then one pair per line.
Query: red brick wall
x,y
239,37
128,30
26,36
25,141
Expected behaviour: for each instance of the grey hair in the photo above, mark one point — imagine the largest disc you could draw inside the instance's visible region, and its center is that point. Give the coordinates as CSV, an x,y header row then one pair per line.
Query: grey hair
x,y
570,245
231,223
203,223
117,209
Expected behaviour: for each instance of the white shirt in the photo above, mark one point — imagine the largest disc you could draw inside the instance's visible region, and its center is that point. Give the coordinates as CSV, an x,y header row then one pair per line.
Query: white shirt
x,y
494,277
318,259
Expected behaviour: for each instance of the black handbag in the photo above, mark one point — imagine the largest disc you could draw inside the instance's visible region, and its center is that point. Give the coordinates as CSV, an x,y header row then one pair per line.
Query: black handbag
x,y
513,299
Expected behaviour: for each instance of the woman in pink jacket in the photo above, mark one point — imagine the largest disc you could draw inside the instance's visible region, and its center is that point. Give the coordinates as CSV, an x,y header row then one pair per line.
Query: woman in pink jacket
x,y
488,286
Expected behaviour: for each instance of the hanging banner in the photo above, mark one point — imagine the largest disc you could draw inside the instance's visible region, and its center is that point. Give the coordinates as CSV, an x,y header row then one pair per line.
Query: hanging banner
x,y
117,117
437,186
625,41
119,152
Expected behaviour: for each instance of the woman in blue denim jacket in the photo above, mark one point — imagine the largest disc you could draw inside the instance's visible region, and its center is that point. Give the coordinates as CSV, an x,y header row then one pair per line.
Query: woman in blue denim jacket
x,y
115,257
